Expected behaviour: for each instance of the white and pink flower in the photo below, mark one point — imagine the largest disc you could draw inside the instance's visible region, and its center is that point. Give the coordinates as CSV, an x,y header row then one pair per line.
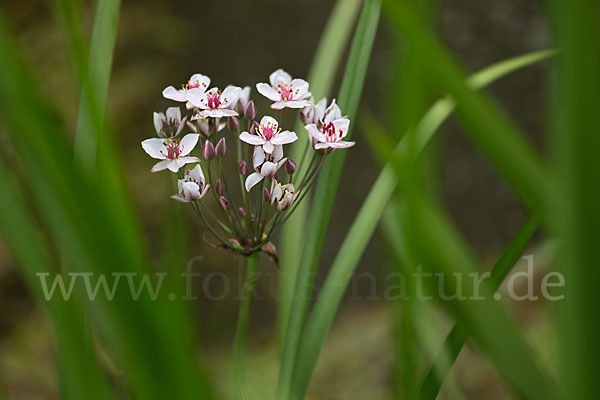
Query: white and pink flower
x,y
269,135
283,196
265,165
215,104
196,85
313,113
285,91
192,187
330,135
173,153
169,125
243,99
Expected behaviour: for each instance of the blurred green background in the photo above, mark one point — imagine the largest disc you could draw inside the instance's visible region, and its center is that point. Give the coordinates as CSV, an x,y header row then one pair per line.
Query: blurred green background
x,y
240,42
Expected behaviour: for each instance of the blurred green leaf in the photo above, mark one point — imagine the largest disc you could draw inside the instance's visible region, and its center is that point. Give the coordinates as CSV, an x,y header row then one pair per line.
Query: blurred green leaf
x,y
456,339
89,221
95,84
491,129
575,212
321,77
23,238
324,196
370,212
69,15
488,323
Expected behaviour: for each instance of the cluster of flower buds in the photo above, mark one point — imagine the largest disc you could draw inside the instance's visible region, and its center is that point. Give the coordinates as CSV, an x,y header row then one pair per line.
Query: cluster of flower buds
x,y
270,191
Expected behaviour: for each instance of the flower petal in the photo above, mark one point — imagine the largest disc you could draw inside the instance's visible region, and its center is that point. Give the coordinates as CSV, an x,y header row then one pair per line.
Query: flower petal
x,y
204,191
174,165
179,198
155,148
173,94
268,168
296,104
159,166
266,120
252,180
341,127
227,113
230,95
268,147
341,145
158,121
188,160
280,164
196,99
315,133
279,77
268,91
188,143
218,113
320,146
174,113
258,157
279,105
277,153
245,96
191,190
197,175
332,113
301,86
254,140
284,137
203,81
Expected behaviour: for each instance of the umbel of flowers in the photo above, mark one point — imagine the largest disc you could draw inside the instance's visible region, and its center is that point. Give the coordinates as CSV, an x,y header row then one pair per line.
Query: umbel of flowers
x,y
267,189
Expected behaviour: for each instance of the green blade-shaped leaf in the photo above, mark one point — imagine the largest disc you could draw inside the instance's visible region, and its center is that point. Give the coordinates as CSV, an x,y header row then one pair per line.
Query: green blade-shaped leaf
x,y
95,85
23,238
436,373
575,211
487,322
369,214
89,222
321,77
325,193
496,135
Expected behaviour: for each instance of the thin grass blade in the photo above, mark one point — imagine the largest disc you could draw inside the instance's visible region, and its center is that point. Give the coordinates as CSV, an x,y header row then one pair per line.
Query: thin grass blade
x,y
321,77
324,196
456,339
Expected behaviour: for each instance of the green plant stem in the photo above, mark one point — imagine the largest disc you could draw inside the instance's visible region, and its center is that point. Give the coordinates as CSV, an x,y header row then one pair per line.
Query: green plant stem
x,y
239,345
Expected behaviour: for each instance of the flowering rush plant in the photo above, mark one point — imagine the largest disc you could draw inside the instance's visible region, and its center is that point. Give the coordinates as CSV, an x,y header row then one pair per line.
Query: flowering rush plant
x,y
269,185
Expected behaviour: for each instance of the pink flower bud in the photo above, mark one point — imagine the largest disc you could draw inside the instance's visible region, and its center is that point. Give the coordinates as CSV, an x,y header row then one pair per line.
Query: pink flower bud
x,y
266,194
242,212
219,187
250,111
254,128
233,123
243,166
208,152
224,203
290,166
221,148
